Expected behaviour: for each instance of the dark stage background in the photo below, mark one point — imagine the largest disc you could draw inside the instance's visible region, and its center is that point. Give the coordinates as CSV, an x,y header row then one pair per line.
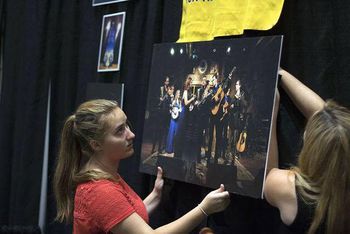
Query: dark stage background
x,y
57,41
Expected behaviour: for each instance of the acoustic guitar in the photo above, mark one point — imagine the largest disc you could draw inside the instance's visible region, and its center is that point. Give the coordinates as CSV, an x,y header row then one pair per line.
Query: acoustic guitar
x,y
218,97
198,104
241,143
220,93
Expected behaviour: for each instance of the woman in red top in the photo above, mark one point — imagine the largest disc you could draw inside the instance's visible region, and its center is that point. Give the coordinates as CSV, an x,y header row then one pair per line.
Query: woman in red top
x,y
87,185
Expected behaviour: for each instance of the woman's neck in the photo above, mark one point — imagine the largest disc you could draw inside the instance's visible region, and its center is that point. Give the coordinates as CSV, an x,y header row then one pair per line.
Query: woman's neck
x,y
109,167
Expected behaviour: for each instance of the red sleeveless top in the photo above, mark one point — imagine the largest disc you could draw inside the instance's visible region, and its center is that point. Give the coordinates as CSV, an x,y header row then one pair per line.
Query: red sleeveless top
x,y
100,205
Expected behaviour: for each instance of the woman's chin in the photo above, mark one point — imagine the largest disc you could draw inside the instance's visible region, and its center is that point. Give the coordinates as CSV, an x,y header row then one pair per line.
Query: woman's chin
x,y
129,152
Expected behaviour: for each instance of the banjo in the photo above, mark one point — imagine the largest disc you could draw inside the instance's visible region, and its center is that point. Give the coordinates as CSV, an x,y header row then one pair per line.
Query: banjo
x,y
175,111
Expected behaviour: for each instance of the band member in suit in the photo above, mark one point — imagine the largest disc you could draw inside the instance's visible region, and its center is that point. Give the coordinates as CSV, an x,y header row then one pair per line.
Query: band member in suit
x,y
162,116
204,93
225,123
237,115
175,111
214,121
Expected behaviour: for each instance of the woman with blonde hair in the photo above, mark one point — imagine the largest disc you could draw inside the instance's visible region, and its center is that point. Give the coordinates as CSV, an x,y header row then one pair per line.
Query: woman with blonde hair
x,y
90,192
314,196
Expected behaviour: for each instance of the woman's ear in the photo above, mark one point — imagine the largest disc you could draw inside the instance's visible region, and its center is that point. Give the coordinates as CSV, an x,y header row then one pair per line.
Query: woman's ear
x,y
95,145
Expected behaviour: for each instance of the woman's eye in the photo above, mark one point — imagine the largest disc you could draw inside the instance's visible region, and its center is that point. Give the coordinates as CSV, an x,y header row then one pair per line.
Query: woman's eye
x,y
120,130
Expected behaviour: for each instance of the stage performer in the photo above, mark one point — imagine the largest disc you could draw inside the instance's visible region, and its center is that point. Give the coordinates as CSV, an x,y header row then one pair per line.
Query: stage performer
x,y
162,117
236,117
175,111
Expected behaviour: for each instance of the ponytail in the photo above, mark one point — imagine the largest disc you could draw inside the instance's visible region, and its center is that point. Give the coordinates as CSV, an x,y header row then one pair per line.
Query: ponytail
x,y
67,166
87,124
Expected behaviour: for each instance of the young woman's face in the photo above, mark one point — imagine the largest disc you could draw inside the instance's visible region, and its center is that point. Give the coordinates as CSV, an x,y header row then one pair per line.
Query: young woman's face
x,y
238,85
177,94
118,142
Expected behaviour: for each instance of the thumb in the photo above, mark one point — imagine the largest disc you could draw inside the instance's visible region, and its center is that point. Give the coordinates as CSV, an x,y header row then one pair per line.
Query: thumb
x,y
220,189
159,173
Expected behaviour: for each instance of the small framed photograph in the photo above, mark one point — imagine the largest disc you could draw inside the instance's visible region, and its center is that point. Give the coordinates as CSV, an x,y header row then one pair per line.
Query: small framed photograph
x,y
111,42
104,2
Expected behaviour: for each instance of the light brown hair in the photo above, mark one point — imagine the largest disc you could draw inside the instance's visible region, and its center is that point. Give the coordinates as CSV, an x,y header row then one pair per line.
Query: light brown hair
x,y
89,123
187,83
323,172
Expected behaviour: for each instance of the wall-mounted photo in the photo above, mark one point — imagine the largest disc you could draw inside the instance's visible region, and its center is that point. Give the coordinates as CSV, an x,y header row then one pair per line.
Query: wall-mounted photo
x,y
209,110
104,2
111,42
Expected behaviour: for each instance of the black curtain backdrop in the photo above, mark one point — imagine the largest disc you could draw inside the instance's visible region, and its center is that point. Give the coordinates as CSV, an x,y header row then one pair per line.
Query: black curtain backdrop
x,y
57,41
22,111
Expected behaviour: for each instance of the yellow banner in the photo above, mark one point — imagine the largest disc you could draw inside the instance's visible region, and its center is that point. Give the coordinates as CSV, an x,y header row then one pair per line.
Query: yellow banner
x,y
202,20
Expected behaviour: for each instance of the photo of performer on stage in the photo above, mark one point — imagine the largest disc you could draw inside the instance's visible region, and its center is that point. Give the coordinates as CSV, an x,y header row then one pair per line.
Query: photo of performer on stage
x,y
209,109
111,42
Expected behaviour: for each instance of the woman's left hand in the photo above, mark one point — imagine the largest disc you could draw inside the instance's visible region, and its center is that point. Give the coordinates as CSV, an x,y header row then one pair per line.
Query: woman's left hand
x,y
153,199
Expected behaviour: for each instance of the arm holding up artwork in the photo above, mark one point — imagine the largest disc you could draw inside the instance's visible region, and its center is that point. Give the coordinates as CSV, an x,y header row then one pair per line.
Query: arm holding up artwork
x,y
325,144
215,201
306,100
153,199
273,151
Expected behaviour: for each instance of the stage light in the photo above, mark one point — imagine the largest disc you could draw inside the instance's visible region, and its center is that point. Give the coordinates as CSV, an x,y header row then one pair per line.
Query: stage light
x,y
228,49
181,51
172,51
214,50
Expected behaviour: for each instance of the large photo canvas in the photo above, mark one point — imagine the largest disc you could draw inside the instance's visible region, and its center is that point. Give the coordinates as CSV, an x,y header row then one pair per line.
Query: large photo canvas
x,y
111,41
209,110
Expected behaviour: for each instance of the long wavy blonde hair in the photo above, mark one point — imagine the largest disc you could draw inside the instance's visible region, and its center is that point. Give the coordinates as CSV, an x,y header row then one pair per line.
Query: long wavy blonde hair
x,y
323,172
89,123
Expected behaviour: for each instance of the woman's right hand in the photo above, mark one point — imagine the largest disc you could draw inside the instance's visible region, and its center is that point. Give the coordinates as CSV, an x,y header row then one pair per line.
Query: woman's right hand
x,y
215,201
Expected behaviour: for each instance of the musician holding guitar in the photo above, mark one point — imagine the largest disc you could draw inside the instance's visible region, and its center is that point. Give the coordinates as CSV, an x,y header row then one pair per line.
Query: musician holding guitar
x,y
215,116
203,105
237,123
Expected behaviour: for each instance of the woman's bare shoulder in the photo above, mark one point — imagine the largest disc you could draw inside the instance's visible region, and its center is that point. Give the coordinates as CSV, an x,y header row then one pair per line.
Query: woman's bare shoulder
x,y
280,192
279,186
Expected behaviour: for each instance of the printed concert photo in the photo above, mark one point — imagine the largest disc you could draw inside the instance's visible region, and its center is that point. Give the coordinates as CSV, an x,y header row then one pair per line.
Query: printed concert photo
x,y
111,41
209,110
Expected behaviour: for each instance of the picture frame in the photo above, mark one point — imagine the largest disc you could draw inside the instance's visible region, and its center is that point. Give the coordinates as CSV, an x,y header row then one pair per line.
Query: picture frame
x,y
105,2
111,42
